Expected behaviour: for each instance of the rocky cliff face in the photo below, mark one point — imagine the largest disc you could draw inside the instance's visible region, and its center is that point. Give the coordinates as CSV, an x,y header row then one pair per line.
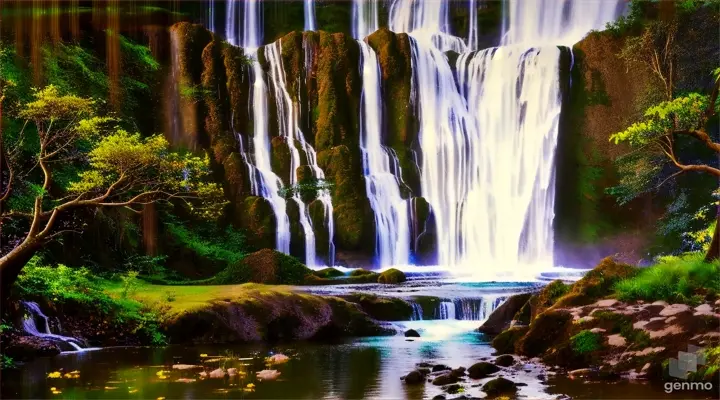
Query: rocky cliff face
x,y
603,98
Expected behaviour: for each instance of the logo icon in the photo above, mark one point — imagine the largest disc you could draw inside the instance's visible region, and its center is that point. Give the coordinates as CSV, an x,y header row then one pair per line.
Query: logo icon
x,y
686,362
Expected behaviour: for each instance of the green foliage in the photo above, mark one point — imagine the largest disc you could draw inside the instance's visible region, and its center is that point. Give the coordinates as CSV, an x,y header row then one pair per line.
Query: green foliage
x,y
674,279
129,282
226,246
629,22
308,189
61,284
6,362
682,113
585,342
265,266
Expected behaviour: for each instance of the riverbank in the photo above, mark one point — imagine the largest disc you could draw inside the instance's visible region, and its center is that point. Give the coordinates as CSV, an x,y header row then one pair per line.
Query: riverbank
x,y
620,322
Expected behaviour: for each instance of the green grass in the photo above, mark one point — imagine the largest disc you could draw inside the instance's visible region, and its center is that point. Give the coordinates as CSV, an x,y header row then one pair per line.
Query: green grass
x,y
683,279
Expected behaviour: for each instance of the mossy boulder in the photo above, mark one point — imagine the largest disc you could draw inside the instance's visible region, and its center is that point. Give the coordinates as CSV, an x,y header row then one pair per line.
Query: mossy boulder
x,y
548,328
259,221
414,378
382,308
501,318
547,297
265,266
505,360
597,283
361,272
507,340
328,273
481,370
392,276
499,386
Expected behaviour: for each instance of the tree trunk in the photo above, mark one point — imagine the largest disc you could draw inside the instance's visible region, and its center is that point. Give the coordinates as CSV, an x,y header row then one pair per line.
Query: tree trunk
x,y
12,263
714,251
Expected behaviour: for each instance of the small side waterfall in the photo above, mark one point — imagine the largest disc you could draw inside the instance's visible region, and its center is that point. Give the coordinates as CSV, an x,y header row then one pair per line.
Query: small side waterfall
x,y
446,310
460,309
288,115
310,15
270,183
30,326
417,314
381,170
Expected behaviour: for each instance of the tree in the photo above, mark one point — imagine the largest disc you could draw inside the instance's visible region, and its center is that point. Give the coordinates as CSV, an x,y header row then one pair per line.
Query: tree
x,y
657,136
79,161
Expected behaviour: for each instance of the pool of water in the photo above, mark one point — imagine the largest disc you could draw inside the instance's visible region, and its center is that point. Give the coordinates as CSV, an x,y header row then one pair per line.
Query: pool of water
x,y
357,369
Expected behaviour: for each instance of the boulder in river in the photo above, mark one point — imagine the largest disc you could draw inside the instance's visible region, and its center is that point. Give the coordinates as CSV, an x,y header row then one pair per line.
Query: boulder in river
x,y
414,378
499,386
505,360
444,379
501,318
411,333
481,370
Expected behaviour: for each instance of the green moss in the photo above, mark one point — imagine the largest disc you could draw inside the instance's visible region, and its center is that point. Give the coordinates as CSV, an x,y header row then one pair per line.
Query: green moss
x,y
547,297
328,273
585,342
360,272
392,276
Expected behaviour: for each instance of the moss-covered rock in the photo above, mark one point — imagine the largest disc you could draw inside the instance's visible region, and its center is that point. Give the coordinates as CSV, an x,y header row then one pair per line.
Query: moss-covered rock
x,y
272,315
499,386
500,319
328,273
481,370
318,217
281,158
548,328
392,276
597,283
394,54
507,340
547,297
382,308
265,266
353,215
259,221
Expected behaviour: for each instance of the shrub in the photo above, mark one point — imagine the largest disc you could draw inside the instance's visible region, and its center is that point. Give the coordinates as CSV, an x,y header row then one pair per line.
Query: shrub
x,y
681,279
585,342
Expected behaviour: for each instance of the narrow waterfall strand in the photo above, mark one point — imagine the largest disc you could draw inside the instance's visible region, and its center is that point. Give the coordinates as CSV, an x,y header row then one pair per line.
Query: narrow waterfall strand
x,y
392,224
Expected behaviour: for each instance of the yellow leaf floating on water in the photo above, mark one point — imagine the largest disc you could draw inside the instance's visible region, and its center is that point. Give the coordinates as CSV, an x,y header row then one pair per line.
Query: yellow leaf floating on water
x,y
52,389
203,355
110,387
160,398
132,391
251,385
55,375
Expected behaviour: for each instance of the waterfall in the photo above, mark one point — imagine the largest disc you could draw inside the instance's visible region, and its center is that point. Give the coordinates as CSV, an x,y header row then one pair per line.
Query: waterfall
x,y
446,310
288,114
364,18
31,328
247,36
310,15
380,165
269,182
472,41
417,312
557,22
211,16
509,209
487,129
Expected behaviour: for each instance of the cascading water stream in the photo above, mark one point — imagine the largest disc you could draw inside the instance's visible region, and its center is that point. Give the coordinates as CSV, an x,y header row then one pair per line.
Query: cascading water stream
x,y
31,328
310,15
380,166
288,114
364,18
269,182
